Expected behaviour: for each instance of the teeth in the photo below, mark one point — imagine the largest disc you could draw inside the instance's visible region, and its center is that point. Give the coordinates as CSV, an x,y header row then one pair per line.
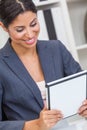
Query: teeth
x,y
30,40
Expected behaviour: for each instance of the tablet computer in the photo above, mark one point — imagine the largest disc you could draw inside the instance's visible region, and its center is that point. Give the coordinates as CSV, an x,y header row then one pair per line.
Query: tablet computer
x,y
67,94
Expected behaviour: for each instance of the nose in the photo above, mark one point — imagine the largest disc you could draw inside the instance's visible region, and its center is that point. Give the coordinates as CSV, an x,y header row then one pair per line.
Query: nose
x,y
29,33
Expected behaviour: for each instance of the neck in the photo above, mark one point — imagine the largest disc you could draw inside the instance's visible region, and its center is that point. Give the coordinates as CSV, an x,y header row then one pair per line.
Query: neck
x,y
24,52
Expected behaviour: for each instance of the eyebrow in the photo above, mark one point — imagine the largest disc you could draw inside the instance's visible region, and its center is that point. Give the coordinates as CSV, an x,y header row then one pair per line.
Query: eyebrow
x,y
23,26
33,20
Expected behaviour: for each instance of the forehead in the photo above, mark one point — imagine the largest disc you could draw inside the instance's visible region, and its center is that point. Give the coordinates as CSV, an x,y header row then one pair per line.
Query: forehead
x,y
24,17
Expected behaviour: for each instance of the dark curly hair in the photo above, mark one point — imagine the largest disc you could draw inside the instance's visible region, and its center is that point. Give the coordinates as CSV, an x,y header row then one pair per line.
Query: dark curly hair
x,y
10,9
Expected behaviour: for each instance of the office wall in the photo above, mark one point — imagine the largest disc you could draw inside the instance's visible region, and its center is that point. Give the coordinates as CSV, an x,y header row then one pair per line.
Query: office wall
x,y
3,37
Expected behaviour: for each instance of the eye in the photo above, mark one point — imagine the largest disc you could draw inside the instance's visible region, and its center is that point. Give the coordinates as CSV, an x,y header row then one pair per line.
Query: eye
x,y
33,24
19,29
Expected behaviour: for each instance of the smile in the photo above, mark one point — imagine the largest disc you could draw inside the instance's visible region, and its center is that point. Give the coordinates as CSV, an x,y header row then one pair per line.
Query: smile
x,y
31,41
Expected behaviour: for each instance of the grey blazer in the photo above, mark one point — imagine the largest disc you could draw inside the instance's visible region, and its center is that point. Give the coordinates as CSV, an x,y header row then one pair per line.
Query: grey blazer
x,y
20,98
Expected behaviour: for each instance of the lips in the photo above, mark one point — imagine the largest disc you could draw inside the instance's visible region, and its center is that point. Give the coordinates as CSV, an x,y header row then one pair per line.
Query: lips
x,y
30,41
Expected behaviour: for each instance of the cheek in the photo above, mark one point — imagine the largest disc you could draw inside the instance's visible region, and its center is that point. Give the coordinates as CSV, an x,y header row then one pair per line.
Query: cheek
x,y
16,36
37,28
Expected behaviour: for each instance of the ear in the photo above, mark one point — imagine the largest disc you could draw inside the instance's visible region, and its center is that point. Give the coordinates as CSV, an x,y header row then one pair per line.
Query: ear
x,y
3,26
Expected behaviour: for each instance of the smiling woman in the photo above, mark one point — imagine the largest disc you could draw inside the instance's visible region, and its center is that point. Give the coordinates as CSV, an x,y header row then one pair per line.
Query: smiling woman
x,y
26,64
24,33
19,20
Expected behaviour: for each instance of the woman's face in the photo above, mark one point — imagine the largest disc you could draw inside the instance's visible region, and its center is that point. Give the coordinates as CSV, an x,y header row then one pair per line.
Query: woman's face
x,y
24,30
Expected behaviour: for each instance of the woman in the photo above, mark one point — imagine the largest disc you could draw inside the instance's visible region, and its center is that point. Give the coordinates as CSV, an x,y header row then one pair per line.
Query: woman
x,y
26,64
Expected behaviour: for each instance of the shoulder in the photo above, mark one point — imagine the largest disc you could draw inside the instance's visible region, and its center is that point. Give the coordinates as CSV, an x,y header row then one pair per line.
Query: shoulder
x,y
4,51
1,53
51,44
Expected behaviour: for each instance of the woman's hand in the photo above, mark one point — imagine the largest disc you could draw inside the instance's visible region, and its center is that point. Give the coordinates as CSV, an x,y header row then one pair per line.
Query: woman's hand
x,y
83,109
48,118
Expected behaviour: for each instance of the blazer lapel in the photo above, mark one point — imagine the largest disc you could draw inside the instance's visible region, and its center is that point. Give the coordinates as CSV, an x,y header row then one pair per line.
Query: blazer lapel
x,y
18,68
47,61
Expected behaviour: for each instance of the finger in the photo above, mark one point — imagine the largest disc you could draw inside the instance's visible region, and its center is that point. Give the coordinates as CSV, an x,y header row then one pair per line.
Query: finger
x,y
53,112
84,102
84,113
84,106
51,123
54,120
81,109
53,116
